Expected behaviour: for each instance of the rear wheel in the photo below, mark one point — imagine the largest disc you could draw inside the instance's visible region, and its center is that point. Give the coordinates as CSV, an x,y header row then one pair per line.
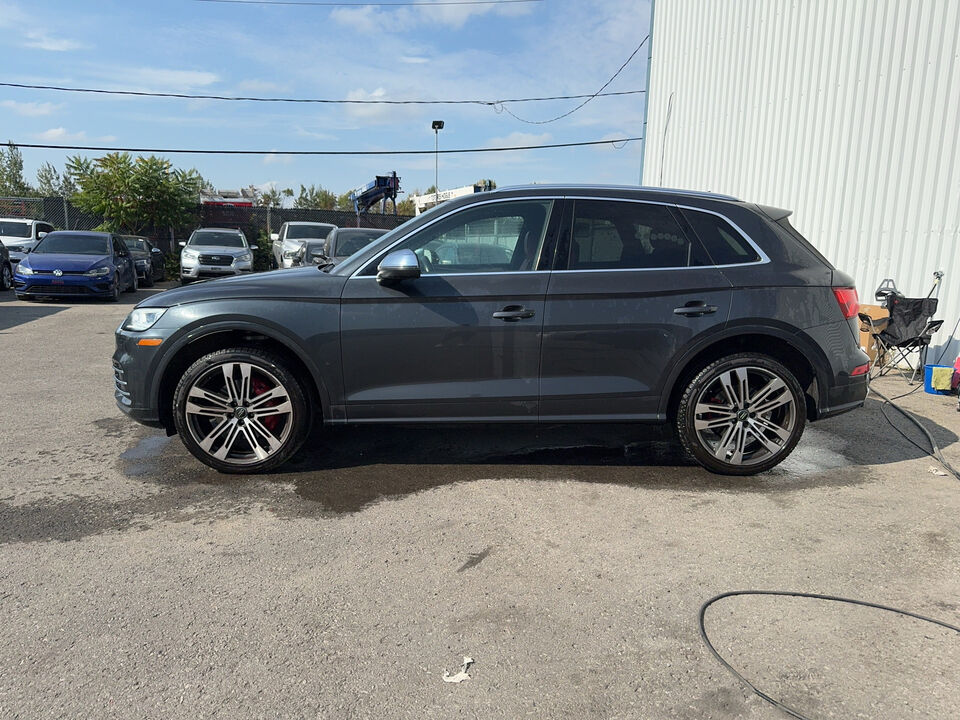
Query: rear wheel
x,y
241,410
741,415
148,277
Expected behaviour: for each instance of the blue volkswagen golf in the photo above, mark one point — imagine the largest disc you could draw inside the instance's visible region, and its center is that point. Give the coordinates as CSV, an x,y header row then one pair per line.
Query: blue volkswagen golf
x,y
76,263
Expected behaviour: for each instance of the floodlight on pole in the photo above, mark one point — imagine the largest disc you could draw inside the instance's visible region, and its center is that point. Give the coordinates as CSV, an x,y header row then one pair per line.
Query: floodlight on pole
x,y
437,127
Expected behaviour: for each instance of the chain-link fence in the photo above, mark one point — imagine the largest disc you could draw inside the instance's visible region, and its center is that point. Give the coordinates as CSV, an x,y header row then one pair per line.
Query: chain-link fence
x,y
63,215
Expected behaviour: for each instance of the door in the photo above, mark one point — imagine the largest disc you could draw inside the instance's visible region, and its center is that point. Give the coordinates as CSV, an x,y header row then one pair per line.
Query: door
x,y
462,341
631,289
121,258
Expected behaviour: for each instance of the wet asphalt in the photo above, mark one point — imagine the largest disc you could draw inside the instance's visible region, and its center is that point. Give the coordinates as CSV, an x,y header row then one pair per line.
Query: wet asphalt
x,y
569,563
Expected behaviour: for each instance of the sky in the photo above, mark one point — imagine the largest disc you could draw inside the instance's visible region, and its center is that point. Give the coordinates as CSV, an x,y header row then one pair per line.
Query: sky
x,y
440,52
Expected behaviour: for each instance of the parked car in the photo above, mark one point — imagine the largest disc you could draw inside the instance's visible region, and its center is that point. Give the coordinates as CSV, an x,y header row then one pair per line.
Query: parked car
x,y
6,269
20,235
78,263
292,234
611,304
215,252
148,259
340,244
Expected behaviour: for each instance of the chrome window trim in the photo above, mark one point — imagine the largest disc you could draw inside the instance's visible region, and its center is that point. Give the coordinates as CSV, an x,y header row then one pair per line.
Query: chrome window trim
x,y
512,198
764,258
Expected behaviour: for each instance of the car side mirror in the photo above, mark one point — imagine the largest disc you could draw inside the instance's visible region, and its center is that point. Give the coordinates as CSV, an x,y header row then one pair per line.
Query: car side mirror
x,y
157,250
182,243
398,265
41,235
274,236
254,247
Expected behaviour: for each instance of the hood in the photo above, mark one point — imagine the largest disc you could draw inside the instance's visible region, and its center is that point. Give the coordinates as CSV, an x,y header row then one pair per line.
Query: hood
x,y
216,250
64,261
304,282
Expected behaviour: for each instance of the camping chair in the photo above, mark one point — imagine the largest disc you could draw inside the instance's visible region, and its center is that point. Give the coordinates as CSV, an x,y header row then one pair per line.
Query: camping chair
x,y
907,331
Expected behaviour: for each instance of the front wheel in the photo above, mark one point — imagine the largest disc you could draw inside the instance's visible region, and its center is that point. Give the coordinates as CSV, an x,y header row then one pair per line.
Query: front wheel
x,y
241,410
114,289
6,277
741,415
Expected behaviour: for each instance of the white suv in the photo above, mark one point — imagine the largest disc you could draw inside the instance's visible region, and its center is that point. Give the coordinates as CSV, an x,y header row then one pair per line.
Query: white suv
x,y
290,237
215,252
20,235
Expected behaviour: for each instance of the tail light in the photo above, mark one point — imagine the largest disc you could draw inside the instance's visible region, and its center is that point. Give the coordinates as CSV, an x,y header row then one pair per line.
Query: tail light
x,y
848,301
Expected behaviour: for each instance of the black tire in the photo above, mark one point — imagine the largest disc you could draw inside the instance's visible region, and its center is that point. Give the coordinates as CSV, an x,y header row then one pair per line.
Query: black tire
x,y
114,295
239,431
185,281
734,426
6,277
135,285
148,277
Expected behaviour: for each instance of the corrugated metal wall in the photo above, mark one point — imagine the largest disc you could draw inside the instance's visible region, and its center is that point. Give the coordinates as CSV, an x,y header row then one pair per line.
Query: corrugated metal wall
x,y
845,111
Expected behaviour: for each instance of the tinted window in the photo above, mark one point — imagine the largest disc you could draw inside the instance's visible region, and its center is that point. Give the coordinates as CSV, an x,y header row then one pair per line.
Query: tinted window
x,y
725,245
136,243
301,232
62,242
12,228
495,237
350,241
612,235
213,238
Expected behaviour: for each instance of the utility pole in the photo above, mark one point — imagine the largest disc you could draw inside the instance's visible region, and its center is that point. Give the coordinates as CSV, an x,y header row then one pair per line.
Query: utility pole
x,y
437,127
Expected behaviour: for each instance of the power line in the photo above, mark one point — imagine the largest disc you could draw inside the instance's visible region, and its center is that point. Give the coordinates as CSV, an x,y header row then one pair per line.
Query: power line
x,y
99,148
589,98
191,96
364,4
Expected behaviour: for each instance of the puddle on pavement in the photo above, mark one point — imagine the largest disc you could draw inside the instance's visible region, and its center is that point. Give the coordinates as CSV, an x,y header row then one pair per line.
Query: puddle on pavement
x,y
148,449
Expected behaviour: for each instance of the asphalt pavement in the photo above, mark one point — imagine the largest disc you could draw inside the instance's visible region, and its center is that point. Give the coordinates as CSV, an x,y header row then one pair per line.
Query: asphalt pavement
x,y
568,563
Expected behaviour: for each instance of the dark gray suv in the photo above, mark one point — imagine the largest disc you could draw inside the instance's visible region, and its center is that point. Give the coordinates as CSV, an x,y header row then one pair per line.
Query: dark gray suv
x,y
542,304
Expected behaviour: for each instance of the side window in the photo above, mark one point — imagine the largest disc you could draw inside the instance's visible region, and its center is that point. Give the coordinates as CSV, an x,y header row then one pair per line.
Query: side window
x,y
118,247
725,245
618,235
495,237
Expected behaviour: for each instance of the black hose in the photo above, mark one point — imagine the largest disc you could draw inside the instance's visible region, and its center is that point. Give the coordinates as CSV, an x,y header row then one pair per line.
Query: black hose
x,y
786,593
935,453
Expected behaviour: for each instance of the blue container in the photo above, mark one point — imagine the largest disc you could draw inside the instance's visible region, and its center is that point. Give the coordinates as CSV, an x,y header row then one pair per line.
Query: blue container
x,y
928,379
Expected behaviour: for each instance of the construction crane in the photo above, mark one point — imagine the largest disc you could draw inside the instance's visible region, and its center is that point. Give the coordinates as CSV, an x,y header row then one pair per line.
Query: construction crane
x,y
383,188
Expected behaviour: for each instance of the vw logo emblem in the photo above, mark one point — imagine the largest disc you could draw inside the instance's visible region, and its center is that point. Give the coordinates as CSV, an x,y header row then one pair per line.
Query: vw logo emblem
x,y
58,273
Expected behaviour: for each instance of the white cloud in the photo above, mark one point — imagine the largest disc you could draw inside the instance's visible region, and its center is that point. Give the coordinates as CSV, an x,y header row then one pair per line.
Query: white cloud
x,y
62,135
277,159
413,59
154,79
42,41
516,139
30,109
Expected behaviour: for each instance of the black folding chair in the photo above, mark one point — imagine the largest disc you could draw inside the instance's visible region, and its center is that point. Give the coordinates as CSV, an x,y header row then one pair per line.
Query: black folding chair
x,y
906,332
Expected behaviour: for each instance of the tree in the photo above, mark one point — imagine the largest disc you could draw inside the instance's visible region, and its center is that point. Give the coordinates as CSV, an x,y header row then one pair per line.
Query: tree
x,y
134,195
315,198
345,202
12,181
50,183
487,182
406,207
271,198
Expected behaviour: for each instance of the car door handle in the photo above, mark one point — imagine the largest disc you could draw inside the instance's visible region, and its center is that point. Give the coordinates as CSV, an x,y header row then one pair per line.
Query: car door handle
x,y
695,309
512,313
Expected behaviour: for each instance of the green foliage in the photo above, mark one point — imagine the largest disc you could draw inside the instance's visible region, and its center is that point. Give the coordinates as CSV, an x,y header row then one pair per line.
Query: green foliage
x,y
135,196
263,255
50,183
12,181
273,197
344,202
315,198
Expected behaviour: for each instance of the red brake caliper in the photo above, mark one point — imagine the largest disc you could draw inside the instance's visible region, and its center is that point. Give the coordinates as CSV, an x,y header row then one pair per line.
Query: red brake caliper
x,y
259,388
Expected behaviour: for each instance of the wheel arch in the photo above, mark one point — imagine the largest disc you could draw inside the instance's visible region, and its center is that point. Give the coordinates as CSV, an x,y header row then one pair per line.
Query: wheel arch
x,y
234,334
795,351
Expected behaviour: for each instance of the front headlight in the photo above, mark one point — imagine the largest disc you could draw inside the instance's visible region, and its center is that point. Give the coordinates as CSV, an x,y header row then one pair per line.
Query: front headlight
x,y
143,318
24,269
97,271
245,257
189,255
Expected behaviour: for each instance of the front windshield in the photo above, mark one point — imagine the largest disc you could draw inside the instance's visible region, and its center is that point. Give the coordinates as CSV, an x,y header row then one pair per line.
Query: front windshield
x,y
351,241
71,244
302,232
213,238
14,229
135,243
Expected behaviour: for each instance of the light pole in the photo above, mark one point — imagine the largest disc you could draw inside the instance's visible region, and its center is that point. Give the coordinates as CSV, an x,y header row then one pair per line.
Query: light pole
x,y
437,127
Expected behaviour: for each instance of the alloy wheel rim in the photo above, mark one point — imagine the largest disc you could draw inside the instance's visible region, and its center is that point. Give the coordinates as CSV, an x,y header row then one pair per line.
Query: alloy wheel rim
x,y
239,413
745,415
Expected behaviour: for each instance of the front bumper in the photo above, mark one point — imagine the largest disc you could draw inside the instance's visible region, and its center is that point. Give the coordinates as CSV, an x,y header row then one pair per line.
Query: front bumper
x,y
71,285
133,371
194,271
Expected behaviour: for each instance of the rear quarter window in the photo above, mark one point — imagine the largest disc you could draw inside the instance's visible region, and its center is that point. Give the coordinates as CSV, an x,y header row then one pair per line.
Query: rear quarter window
x,y
722,241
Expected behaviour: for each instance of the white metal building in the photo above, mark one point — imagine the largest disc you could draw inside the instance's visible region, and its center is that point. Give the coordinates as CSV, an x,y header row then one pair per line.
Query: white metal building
x,y
845,111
